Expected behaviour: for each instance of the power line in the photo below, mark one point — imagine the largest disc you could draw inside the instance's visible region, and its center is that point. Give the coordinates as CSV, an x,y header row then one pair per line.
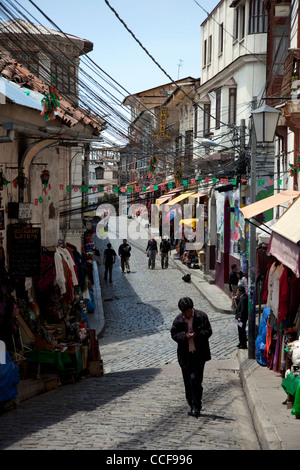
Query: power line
x,y
189,166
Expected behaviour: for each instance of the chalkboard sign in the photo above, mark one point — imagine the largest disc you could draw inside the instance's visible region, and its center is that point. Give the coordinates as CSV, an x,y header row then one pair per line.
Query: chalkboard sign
x,y
24,249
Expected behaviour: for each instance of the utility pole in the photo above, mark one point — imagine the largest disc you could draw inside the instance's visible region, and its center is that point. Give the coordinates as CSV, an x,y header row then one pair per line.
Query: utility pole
x,y
86,167
252,246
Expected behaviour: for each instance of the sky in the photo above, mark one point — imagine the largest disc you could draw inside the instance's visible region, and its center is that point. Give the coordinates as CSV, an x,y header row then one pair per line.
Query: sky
x,y
168,29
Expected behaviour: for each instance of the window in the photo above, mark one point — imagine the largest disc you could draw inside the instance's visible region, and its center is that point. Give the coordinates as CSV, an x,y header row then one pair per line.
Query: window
x,y
218,108
242,22
239,23
209,49
65,77
188,149
221,38
205,53
258,17
236,24
31,63
206,120
195,121
280,48
232,106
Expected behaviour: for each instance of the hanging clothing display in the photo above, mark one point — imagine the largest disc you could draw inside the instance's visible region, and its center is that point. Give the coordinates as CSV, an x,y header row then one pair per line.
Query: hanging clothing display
x,y
275,273
44,321
282,298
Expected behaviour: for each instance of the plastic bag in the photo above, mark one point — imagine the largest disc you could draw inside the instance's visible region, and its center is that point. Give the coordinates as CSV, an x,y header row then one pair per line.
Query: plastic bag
x,y
260,343
296,406
9,378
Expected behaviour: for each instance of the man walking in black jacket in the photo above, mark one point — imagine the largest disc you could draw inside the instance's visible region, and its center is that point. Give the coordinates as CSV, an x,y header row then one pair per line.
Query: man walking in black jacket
x,y
124,253
109,260
164,248
191,330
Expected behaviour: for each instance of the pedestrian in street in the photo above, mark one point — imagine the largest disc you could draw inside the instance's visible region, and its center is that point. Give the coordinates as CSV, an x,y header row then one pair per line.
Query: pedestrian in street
x,y
151,252
241,316
165,249
233,283
242,280
109,259
124,253
191,330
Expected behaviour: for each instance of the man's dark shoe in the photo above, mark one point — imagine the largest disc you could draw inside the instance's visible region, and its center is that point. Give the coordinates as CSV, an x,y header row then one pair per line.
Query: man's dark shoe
x,y
194,413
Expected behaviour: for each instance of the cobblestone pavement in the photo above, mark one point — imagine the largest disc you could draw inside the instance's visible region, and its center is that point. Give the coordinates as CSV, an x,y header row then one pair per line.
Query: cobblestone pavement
x,y
139,403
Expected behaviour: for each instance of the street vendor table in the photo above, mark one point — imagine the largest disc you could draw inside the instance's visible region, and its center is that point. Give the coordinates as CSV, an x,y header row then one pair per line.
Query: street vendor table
x,y
57,358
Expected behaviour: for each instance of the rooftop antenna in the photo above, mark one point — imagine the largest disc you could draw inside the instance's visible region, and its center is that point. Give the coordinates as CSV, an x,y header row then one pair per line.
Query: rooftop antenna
x,y
179,65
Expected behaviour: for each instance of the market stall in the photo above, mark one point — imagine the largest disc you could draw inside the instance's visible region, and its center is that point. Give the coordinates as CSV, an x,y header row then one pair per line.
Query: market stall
x,y
282,297
44,319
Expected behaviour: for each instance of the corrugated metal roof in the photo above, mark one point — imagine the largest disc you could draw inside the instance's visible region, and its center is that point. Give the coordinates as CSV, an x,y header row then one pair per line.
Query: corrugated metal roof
x,y
20,95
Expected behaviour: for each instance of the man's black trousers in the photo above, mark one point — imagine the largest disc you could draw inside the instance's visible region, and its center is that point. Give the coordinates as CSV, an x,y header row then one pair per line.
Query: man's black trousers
x,y
192,378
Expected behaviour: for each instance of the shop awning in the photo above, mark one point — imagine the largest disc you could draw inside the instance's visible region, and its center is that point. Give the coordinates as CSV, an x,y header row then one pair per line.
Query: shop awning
x,y
167,196
181,198
288,225
189,222
199,195
287,252
270,202
90,214
285,238
162,199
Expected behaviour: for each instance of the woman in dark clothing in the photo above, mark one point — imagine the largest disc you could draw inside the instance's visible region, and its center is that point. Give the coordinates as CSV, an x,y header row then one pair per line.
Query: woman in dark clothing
x,y
241,316
191,330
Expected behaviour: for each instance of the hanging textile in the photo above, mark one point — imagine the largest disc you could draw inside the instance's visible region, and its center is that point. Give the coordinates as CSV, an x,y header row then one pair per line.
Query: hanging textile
x,y
153,162
275,273
283,296
178,174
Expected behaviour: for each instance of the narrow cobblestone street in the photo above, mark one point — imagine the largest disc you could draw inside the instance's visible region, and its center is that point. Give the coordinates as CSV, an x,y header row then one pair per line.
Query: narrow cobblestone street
x,y
139,403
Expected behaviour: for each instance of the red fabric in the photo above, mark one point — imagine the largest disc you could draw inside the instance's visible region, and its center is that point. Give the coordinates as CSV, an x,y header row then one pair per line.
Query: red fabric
x,y
268,338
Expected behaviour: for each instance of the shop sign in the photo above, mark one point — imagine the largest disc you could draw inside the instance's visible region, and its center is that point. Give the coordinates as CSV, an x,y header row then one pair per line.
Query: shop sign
x,y
162,129
24,251
25,210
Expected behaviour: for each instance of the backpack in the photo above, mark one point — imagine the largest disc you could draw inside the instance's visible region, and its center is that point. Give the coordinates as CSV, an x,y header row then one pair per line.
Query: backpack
x,y
187,278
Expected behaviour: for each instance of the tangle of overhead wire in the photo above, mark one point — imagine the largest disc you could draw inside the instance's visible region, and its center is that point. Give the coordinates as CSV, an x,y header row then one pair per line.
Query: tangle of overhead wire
x,y
168,151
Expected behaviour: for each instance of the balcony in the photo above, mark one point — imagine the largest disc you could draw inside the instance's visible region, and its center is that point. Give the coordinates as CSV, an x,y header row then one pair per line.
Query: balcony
x,y
290,76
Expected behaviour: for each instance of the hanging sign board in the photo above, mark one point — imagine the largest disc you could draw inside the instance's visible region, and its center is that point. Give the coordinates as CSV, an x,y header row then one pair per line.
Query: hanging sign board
x,y
25,210
24,251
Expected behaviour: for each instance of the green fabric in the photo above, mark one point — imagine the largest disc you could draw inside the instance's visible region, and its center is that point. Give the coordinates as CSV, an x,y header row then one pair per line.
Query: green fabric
x,y
290,384
78,358
296,407
49,357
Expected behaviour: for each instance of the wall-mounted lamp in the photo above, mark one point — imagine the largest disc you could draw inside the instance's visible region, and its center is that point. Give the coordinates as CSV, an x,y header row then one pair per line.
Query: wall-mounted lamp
x,y
45,176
